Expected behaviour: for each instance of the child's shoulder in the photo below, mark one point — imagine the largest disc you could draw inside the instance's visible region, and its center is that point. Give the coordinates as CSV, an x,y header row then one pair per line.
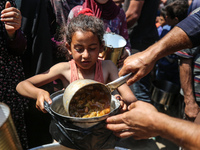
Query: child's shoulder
x,y
62,65
108,64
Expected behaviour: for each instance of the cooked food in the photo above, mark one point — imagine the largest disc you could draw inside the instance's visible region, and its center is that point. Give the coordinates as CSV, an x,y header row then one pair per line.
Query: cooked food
x,y
89,102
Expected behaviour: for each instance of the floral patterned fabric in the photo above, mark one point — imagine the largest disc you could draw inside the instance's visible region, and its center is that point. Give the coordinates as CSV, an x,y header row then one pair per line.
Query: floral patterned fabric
x,y
11,73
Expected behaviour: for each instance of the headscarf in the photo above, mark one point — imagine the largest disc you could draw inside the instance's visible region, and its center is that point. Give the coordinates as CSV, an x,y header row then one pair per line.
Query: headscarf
x,y
107,11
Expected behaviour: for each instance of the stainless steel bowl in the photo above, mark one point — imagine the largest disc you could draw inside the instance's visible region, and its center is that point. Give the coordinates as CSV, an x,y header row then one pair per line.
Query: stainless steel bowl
x,y
58,109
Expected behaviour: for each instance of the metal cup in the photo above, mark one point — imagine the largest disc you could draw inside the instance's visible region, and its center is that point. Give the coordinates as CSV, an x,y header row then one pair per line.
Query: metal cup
x,y
114,47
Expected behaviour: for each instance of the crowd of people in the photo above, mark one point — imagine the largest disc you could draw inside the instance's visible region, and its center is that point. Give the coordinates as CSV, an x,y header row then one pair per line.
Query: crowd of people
x,y
47,44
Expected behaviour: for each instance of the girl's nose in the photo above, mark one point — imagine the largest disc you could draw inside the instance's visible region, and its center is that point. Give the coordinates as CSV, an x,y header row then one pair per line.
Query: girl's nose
x,y
85,54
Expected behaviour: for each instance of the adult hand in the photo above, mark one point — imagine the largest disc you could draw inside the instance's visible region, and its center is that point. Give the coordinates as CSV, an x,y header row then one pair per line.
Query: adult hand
x,y
41,97
137,122
140,64
11,16
191,110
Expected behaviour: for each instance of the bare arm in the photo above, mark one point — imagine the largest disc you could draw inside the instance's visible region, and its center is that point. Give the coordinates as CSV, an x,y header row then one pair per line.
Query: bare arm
x,y
186,79
142,63
143,121
133,12
125,92
30,87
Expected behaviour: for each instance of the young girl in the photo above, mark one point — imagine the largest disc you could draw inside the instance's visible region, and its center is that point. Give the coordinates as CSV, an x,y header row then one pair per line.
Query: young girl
x,y
114,19
84,43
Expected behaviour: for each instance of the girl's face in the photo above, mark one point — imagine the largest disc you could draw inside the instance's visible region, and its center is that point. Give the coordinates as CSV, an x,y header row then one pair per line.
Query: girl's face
x,y
102,1
85,49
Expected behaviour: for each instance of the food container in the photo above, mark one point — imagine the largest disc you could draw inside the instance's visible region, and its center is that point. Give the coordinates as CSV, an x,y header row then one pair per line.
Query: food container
x,y
9,139
114,46
164,92
80,133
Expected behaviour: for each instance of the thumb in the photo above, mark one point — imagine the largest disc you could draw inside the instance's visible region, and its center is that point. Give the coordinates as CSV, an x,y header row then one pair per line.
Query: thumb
x,y
8,4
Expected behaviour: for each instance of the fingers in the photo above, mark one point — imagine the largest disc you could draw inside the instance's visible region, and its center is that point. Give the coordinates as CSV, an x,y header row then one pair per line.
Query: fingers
x,y
8,4
11,14
115,119
120,127
124,134
40,102
131,106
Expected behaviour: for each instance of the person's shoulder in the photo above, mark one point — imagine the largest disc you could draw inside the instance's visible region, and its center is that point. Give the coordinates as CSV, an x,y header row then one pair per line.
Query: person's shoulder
x,y
62,66
108,64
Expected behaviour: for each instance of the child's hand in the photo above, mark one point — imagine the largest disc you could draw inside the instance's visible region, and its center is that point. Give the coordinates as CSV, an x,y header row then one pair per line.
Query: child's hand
x,y
122,104
41,97
11,16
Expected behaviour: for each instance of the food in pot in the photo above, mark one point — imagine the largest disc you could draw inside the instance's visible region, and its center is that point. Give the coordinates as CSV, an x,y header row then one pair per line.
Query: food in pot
x,y
91,101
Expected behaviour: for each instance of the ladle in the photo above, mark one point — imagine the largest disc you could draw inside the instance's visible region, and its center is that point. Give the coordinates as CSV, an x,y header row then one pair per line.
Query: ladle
x,y
80,85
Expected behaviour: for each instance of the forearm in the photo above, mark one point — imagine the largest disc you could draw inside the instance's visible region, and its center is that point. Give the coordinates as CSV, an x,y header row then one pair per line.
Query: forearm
x,y
181,132
18,44
174,41
133,12
186,79
27,89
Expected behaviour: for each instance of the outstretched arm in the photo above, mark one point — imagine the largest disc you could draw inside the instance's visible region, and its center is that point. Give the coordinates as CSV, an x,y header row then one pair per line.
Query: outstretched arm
x,y
143,62
143,121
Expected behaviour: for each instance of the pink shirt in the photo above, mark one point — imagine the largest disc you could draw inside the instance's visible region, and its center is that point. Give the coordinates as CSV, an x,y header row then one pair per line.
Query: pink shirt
x,y
98,72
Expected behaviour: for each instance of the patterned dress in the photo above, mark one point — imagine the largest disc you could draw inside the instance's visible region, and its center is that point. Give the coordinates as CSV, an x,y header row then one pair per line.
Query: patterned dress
x,y
11,73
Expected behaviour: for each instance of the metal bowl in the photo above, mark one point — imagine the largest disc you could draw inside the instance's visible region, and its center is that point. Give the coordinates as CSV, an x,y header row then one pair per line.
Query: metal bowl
x,y
58,109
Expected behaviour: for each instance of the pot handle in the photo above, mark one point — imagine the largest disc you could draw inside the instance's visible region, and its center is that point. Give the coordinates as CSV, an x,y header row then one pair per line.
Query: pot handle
x,y
47,107
119,81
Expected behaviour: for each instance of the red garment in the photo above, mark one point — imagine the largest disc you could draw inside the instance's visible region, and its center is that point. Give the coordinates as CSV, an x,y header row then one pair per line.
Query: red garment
x,y
86,11
107,11
98,72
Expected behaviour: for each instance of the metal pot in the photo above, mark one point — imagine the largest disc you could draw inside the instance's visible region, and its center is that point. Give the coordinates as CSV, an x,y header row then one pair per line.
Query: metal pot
x,y
85,84
80,133
8,135
164,92
57,109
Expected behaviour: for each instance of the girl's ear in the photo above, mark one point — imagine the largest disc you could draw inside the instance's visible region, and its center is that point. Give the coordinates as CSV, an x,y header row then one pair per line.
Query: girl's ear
x,y
68,48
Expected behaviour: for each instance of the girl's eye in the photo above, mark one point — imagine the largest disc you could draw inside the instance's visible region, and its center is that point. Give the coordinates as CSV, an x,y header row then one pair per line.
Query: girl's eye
x,y
79,49
92,49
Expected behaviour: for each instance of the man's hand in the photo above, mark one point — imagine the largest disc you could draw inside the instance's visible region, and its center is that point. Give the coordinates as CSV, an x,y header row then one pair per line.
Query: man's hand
x,y
137,122
140,64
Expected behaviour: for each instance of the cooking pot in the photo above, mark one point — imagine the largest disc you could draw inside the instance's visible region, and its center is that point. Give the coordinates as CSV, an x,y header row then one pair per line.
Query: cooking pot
x,y
86,86
80,133
57,110
114,46
9,139
164,92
